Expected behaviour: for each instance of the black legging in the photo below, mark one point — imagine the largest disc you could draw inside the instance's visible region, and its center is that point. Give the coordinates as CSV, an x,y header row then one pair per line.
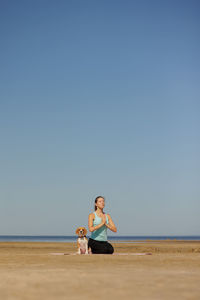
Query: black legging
x,y
100,247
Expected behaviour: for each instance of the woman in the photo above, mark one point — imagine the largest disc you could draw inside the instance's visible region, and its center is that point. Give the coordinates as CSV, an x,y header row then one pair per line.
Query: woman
x,y
98,222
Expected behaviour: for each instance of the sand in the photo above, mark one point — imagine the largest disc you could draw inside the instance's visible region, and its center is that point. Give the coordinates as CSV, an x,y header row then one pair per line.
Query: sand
x,y
28,270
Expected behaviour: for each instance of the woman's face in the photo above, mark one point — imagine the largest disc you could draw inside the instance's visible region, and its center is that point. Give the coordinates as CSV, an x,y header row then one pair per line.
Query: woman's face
x,y
100,203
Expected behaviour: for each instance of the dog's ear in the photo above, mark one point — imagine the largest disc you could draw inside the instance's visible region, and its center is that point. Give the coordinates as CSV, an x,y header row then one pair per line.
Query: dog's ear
x,y
85,231
77,230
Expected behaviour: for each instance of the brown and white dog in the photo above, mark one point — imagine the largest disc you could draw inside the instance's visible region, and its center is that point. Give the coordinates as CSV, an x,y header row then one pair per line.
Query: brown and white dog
x,y
82,241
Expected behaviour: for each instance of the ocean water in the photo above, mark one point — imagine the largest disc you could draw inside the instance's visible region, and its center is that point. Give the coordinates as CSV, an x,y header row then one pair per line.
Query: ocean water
x,y
70,238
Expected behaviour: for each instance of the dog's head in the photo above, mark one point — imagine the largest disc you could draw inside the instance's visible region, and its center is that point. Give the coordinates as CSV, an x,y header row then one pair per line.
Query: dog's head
x,y
81,231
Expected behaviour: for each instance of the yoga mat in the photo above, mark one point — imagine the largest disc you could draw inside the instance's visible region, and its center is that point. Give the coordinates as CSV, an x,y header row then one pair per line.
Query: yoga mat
x,y
102,254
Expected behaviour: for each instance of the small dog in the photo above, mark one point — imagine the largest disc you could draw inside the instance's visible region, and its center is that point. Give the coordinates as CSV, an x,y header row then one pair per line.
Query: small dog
x,y
82,241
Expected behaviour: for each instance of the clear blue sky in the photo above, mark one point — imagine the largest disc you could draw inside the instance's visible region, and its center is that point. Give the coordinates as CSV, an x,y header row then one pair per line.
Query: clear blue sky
x,y
100,98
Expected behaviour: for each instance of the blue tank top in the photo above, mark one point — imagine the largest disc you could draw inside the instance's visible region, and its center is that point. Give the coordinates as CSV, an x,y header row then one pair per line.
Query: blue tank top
x,y
101,233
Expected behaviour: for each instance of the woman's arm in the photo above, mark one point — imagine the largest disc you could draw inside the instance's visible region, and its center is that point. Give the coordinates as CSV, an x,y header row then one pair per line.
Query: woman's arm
x,y
90,224
111,224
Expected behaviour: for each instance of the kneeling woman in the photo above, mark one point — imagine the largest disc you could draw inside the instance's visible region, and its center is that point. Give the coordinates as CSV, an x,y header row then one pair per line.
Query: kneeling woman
x,y
98,222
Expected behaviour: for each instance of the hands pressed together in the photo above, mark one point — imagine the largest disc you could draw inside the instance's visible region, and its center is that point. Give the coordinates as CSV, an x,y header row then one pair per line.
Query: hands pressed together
x,y
104,219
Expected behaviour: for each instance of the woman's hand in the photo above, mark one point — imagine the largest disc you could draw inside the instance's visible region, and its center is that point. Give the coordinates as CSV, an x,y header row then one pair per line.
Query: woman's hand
x,y
104,218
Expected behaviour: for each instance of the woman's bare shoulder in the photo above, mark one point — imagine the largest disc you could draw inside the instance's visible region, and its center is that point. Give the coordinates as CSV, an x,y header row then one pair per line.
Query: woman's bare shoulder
x,y
92,215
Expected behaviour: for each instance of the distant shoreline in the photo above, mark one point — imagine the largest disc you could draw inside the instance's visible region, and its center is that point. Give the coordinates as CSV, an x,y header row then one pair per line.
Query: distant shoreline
x,y
117,239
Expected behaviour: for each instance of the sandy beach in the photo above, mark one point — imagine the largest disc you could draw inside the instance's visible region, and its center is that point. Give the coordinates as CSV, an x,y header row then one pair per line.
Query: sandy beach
x,y
28,270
